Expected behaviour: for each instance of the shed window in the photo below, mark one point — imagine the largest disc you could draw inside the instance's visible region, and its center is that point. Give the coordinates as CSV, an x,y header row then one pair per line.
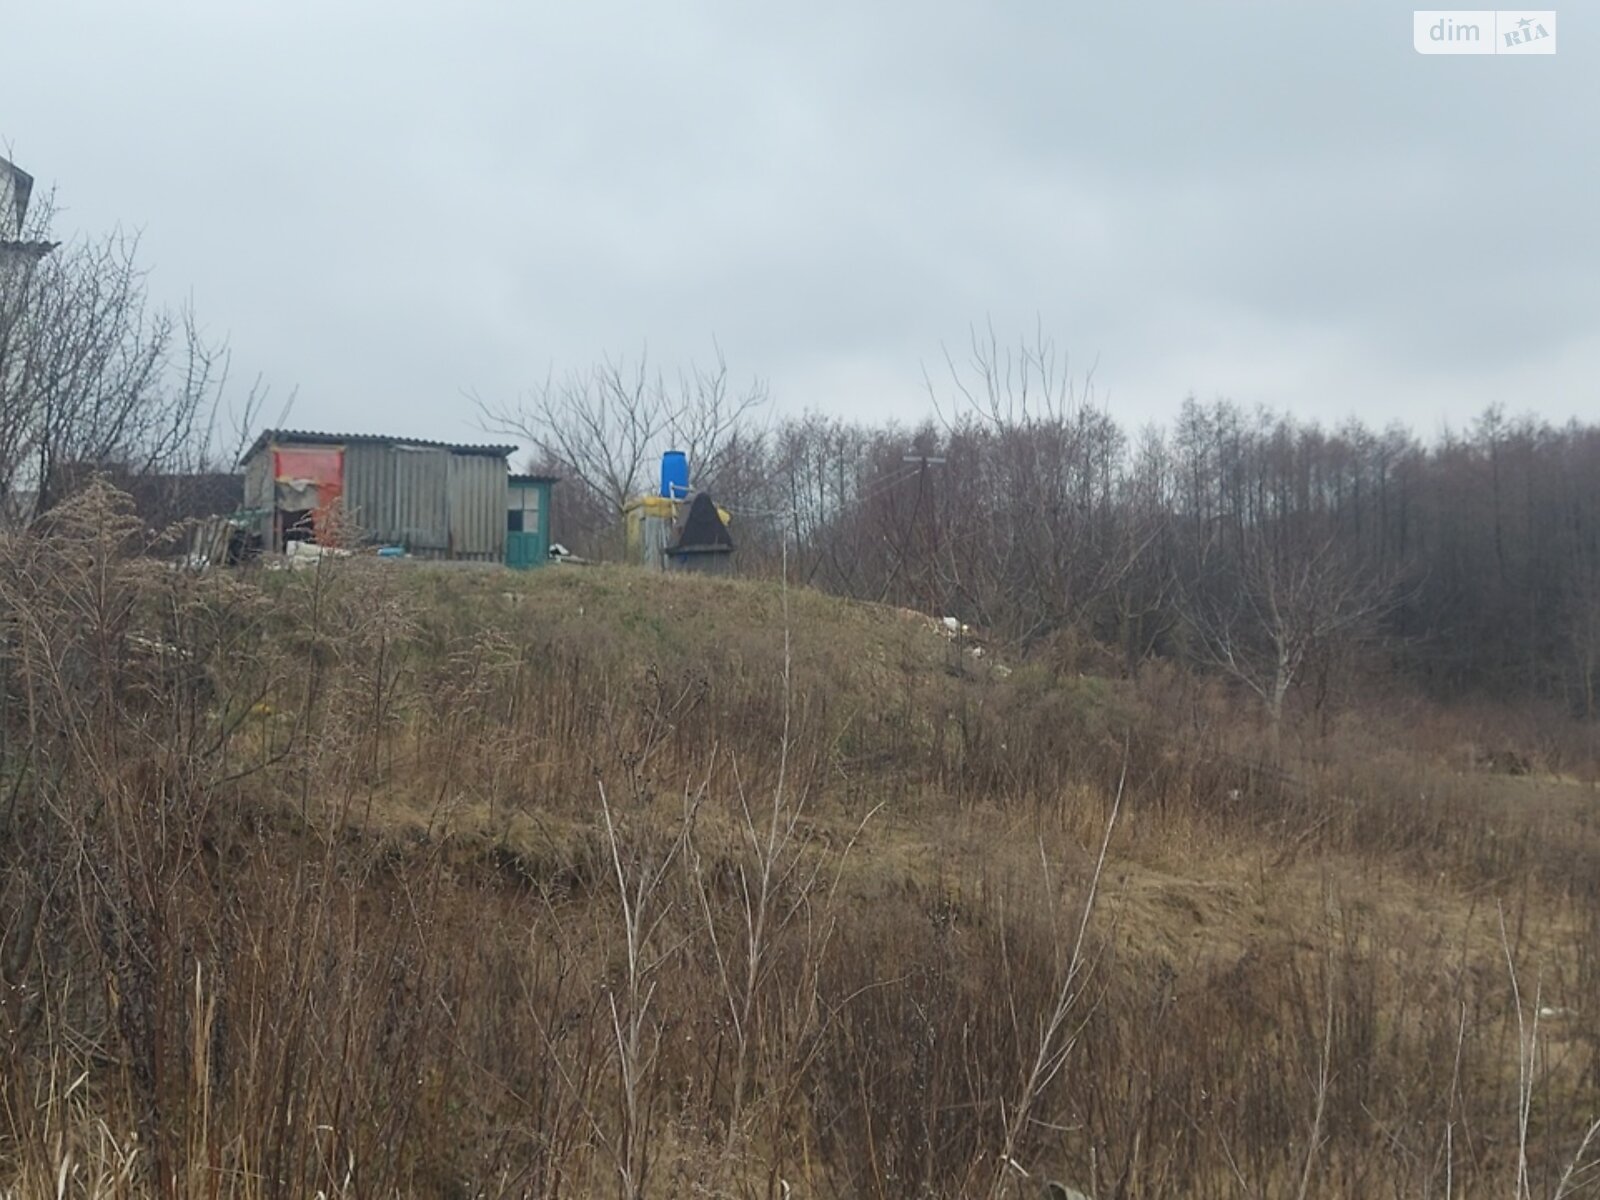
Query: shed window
x,y
522,515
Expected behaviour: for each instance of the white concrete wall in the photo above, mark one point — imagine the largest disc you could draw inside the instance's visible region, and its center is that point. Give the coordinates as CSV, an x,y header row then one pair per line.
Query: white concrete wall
x,y
12,196
10,227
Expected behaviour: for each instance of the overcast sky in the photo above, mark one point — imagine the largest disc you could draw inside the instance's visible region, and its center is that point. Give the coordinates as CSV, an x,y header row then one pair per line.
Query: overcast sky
x,y
384,204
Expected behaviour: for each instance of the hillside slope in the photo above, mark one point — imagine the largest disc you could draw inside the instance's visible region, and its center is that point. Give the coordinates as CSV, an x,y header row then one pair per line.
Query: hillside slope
x,y
382,879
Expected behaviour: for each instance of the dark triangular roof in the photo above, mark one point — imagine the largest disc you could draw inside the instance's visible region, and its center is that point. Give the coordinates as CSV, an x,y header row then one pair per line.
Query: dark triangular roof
x,y
703,530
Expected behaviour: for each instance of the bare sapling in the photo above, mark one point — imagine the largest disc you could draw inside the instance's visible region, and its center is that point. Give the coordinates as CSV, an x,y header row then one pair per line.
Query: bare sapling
x,y
1057,1033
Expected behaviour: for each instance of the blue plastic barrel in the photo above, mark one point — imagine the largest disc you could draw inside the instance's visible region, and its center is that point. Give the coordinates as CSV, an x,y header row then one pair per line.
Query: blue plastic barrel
x,y
675,474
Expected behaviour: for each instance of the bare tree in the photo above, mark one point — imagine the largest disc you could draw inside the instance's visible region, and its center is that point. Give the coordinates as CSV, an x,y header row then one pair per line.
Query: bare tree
x,y
1263,615
1581,622
91,372
604,427
712,420
1035,459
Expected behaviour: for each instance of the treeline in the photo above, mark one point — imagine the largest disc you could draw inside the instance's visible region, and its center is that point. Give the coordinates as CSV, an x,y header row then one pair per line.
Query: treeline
x,y
1477,557
1279,551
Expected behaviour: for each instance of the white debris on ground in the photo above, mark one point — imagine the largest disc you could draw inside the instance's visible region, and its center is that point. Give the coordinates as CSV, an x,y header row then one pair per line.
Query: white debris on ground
x,y
297,556
156,646
955,630
308,554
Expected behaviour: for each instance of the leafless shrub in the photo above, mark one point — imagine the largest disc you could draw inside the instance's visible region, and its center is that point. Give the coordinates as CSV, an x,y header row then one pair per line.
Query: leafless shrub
x,y
604,429
357,881
93,374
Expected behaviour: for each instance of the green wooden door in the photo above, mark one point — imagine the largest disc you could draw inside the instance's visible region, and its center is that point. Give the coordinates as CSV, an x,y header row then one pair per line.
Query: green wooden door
x,y
524,550
528,524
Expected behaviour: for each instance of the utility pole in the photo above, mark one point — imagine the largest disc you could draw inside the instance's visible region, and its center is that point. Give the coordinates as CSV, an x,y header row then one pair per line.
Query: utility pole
x,y
923,462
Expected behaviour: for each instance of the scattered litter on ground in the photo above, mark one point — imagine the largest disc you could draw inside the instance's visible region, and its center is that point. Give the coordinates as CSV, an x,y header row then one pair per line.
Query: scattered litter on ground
x,y
956,631
308,554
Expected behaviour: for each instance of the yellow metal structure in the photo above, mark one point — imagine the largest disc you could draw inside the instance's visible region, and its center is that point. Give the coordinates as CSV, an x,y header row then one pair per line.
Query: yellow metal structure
x,y
648,522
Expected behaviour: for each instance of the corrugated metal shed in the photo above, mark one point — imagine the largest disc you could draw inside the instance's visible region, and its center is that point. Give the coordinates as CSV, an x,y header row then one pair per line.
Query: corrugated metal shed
x,y
309,437
477,504
395,494
437,499
648,521
258,493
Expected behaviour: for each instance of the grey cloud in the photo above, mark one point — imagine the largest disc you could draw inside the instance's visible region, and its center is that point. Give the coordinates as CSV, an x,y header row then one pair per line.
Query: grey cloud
x,y
388,203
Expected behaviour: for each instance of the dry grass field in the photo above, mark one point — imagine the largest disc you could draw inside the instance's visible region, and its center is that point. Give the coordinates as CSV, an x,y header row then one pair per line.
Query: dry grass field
x,y
377,880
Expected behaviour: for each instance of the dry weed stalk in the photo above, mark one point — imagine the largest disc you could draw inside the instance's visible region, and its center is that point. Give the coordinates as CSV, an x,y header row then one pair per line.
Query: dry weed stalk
x,y
303,891
1057,1036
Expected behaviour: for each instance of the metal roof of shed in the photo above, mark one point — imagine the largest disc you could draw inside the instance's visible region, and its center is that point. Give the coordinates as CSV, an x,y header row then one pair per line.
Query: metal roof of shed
x,y
307,437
